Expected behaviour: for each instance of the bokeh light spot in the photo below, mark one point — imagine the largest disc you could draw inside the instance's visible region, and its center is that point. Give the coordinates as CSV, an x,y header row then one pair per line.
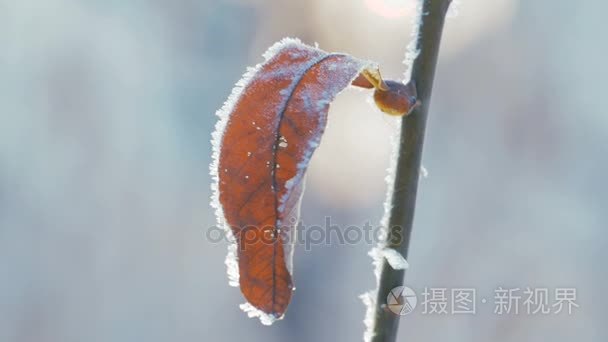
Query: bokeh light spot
x,y
391,9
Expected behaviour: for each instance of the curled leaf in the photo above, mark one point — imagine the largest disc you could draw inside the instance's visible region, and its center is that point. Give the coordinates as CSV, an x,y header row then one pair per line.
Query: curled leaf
x,y
267,132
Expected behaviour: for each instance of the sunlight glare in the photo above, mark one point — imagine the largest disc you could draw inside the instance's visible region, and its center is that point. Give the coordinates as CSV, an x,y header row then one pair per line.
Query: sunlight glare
x,y
390,9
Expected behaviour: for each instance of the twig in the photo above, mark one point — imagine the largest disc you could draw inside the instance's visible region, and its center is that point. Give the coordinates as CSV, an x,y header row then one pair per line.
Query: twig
x,y
411,141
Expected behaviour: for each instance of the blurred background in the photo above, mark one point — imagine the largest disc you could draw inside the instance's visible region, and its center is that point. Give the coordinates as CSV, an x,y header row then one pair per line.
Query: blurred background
x,y
106,111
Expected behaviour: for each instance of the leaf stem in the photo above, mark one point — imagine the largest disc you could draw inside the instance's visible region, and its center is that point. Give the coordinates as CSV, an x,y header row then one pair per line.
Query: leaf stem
x,y
405,185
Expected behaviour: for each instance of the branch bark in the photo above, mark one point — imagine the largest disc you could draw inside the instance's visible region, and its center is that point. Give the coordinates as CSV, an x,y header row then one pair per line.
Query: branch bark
x,y
411,141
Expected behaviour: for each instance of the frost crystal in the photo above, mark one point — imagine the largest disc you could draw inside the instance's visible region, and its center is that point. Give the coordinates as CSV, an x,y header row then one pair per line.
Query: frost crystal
x,y
424,173
412,50
251,311
454,9
369,300
395,259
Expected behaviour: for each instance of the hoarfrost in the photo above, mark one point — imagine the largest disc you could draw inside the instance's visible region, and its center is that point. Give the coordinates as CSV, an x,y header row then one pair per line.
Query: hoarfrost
x,y
369,300
380,251
454,9
376,253
395,259
232,265
252,312
424,173
412,48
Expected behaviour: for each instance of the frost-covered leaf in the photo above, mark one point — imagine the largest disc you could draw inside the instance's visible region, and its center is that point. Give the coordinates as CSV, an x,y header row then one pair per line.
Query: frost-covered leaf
x,y
267,133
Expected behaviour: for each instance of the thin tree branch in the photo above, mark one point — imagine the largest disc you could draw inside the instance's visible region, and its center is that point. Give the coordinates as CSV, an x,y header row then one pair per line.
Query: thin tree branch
x,y
411,141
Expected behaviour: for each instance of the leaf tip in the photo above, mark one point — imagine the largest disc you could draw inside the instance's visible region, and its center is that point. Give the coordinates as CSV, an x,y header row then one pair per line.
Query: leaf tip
x,y
265,318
